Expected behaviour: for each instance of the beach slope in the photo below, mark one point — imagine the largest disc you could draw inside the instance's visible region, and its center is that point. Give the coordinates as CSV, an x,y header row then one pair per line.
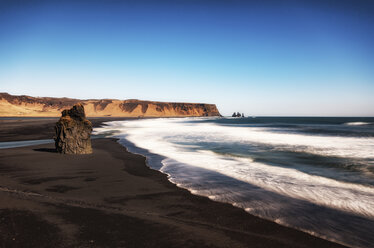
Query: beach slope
x,y
112,199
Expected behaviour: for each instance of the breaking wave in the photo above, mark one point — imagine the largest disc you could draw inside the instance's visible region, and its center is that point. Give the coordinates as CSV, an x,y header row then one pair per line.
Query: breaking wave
x,y
357,123
203,157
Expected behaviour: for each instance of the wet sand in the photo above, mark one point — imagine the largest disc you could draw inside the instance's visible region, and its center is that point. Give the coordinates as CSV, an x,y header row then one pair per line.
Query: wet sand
x,y
112,199
34,128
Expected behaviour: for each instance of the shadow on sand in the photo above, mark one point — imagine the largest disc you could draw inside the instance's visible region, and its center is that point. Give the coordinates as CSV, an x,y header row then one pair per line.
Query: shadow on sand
x,y
53,150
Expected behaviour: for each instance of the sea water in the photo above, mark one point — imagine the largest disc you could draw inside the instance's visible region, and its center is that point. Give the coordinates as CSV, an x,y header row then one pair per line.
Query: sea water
x,y
312,174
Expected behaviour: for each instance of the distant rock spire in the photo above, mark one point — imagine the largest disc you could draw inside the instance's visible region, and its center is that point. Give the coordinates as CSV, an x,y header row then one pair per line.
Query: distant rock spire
x,y
237,114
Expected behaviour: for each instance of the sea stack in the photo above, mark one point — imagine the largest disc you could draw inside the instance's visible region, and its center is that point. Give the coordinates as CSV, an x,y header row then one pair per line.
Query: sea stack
x,y
237,114
73,132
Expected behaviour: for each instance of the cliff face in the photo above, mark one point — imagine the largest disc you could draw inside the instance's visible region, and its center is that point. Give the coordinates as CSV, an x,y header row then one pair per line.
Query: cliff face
x,y
47,106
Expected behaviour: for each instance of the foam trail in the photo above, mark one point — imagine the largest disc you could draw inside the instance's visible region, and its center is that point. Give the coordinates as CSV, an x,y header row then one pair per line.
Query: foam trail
x,y
358,123
353,147
333,208
159,136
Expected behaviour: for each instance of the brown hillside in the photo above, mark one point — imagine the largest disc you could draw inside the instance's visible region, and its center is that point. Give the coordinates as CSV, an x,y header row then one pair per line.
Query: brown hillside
x,y
11,105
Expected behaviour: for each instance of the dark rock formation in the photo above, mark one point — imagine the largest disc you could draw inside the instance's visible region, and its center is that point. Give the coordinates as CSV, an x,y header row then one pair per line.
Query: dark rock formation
x,y
73,132
237,114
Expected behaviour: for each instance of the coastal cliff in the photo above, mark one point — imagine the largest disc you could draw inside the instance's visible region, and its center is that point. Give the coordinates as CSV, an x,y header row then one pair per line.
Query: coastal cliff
x,y
11,105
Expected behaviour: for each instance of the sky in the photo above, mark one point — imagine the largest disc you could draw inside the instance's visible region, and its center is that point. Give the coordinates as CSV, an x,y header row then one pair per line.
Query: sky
x,y
263,58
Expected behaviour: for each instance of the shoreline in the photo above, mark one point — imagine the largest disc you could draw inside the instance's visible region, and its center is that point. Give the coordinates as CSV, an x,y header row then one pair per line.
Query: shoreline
x,y
130,147
36,128
119,196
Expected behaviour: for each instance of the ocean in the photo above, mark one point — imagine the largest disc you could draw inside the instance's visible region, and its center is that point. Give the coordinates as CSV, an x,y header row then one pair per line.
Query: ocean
x,y
315,174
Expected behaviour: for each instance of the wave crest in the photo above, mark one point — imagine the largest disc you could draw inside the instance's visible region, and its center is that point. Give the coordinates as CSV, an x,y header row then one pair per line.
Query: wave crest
x,y
357,123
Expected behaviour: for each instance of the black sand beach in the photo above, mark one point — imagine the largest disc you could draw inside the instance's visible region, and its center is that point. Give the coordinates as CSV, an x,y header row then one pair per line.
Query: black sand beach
x,y
33,128
112,199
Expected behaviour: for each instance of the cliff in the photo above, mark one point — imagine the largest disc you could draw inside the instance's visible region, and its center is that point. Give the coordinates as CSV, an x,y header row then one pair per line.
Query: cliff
x,y
11,105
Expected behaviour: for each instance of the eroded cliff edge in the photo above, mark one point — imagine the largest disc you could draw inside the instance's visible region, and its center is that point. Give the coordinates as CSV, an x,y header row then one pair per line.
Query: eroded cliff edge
x,y
11,105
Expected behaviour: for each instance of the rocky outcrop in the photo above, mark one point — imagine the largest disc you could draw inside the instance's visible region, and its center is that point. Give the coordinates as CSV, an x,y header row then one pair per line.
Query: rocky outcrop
x,y
47,106
237,114
73,132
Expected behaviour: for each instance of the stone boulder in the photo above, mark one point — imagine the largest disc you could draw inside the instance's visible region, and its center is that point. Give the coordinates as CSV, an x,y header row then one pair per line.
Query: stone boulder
x,y
73,132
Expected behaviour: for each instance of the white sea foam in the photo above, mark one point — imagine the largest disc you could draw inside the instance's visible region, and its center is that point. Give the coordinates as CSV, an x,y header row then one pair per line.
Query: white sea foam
x,y
177,130
358,123
161,136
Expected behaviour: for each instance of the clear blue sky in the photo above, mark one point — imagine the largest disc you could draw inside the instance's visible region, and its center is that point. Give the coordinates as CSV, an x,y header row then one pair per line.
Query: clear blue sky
x,y
269,58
